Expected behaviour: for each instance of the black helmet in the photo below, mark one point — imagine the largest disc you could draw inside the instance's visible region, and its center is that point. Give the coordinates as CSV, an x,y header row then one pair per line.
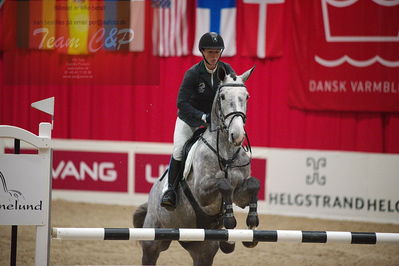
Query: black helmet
x,y
211,40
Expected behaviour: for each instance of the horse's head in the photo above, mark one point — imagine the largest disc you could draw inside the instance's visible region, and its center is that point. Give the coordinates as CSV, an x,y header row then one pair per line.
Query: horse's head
x,y
230,105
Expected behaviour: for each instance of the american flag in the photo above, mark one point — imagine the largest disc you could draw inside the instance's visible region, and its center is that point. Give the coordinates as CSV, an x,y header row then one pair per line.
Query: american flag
x,y
170,32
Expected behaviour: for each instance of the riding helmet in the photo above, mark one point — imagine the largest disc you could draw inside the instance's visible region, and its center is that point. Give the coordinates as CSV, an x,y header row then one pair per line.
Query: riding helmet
x,y
211,40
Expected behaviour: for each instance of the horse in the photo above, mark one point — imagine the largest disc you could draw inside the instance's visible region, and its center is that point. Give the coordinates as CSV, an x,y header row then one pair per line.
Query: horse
x,y
219,175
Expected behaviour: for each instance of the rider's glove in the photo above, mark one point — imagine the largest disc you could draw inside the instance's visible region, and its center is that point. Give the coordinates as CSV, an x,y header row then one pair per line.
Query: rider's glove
x,y
206,118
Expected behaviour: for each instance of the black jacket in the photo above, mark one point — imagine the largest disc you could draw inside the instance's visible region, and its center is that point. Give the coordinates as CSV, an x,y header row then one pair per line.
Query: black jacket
x,y
196,93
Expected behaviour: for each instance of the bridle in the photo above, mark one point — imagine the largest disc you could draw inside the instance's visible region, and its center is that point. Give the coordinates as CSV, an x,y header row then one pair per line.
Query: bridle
x,y
225,164
222,117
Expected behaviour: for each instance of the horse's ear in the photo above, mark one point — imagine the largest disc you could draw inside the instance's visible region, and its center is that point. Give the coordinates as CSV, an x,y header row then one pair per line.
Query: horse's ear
x,y
221,73
247,73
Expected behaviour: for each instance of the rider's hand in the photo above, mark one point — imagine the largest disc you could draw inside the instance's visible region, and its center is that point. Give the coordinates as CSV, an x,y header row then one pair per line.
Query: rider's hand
x,y
206,118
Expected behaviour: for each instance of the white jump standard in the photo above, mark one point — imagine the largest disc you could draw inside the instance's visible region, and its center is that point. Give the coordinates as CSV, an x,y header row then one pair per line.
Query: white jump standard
x,y
225,235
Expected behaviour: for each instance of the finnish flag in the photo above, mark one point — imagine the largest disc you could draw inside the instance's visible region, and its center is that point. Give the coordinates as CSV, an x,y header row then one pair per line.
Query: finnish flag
x,y
217,16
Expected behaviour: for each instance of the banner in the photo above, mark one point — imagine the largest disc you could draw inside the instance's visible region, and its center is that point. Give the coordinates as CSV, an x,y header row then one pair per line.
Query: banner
x,y
19,203
90,171
333,185
78,37
345,55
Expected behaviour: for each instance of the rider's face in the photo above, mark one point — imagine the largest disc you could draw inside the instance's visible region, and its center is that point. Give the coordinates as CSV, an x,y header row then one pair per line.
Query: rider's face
x,y
212,56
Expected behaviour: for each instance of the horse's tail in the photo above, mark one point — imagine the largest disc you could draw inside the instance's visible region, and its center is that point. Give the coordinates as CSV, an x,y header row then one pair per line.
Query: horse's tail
x,y
139,215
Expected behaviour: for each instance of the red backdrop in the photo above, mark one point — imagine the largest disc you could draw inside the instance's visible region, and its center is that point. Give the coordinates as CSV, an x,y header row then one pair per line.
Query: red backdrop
x,y
133,95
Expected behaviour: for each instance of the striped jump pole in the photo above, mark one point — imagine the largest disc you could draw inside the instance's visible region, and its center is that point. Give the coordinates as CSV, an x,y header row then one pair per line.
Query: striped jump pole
x,y
224,235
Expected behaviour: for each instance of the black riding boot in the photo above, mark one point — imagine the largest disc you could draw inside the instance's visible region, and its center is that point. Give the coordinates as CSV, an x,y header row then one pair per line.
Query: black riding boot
x,y
169,197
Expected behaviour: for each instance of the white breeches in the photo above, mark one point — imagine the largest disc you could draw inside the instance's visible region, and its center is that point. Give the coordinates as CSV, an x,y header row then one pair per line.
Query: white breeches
x,y
183,132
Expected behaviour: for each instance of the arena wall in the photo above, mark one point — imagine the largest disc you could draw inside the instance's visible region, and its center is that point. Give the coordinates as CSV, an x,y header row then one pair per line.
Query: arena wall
x,y
310,183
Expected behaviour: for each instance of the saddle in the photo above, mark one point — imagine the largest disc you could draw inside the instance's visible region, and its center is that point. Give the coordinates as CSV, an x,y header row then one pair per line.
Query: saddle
x,y
187,147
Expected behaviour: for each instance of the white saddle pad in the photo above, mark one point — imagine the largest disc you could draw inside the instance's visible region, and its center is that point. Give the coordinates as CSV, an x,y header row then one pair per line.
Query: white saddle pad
x,y
189,160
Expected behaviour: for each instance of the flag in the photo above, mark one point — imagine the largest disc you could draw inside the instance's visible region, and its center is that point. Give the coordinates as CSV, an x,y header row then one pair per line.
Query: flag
x,y
78,26
61,31
110,23
261,28
170,30
35,17
8,38
49,24
137,22
124,25
23,24
2,24
96,25
35,23
46,105
217,16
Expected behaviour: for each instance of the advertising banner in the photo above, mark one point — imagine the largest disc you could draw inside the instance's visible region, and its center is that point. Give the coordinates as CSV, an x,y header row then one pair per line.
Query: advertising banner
x,y
19,203
77,40
345,55
90,171
333,185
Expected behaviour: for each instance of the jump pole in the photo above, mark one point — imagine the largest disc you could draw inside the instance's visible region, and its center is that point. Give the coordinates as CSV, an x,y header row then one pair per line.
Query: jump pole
x,y
225,235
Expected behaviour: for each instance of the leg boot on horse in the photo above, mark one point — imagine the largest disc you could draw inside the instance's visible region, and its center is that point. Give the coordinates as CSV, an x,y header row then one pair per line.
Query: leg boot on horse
x,y
169,198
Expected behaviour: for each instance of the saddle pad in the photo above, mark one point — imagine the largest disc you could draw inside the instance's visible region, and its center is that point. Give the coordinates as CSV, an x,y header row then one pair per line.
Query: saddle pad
x,y
189,160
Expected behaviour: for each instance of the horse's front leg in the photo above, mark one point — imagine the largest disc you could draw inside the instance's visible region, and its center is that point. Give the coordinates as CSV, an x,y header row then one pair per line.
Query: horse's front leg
x,y
226,189
211,188
247,195
253,186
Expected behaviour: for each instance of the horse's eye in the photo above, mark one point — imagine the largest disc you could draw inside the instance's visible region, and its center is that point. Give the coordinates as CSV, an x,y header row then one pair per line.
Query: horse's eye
x,y
222,96
247,97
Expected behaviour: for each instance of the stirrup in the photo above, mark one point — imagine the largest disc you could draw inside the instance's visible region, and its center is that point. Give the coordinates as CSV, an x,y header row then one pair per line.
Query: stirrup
x,y
168,200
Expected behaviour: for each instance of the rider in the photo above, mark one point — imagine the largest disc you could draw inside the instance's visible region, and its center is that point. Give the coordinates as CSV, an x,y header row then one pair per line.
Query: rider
x,y
194,104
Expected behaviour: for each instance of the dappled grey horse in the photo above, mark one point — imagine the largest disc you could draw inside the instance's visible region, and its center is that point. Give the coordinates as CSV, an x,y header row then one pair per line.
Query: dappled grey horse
x,y
218,176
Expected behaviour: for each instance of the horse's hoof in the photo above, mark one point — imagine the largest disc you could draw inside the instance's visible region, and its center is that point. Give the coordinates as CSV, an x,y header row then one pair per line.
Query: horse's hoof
x,y
229,222
250,244
226,246
252,220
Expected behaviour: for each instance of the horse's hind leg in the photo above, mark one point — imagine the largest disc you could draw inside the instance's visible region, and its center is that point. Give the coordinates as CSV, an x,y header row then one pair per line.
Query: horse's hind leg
x,y
151,251
202,253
